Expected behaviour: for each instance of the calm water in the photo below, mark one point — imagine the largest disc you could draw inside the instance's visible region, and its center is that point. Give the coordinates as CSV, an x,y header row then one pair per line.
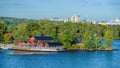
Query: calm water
x,y
78,59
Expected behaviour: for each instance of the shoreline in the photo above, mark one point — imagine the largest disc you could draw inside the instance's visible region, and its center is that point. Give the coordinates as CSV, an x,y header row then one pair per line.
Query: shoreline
x,y
71,49
29,52
78,49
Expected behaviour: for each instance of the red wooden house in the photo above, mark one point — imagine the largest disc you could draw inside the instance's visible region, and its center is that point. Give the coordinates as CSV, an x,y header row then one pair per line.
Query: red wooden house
x,y
42,41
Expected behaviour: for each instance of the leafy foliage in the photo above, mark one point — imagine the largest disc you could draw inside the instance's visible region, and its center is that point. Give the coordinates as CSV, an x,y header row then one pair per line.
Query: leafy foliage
x,y
68,33
3,29
109,38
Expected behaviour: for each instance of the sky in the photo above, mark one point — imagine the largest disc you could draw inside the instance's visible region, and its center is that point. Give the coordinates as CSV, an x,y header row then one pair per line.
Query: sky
x,y
98,10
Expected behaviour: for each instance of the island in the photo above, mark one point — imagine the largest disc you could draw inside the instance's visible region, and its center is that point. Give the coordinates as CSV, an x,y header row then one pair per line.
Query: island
x,y
68,36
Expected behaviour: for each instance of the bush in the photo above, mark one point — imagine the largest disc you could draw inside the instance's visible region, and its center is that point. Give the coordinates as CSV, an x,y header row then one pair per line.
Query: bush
x,y
81,45
102,47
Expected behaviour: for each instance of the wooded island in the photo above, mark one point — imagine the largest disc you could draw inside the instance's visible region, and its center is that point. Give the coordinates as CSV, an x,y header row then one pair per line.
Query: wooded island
x,y
84,35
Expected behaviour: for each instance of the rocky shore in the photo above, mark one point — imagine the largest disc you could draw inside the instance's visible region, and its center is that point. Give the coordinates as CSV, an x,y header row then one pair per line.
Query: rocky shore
x,y
6,46
85,49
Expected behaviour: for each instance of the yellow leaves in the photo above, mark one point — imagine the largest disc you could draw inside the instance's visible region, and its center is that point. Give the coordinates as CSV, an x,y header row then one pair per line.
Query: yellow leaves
x,y
3,28
7,37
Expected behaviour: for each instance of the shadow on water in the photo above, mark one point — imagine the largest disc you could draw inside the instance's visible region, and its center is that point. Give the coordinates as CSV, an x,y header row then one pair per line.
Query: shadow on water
x,y
18,53
0,51
21,53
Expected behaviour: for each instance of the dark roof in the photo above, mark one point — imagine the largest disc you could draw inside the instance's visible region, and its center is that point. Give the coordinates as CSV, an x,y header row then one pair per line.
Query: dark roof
x,y
25,41
55,43
43,43
43,38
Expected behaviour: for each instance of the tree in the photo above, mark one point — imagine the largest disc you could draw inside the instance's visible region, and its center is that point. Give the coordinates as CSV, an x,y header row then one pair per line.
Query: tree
x,y
30,27
87,37
3,29
48,28
108,38
20,33
66,38
116,31
11,28
8,38
66,33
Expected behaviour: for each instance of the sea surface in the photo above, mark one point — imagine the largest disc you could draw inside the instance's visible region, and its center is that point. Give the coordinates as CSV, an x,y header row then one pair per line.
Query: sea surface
x,y
75,59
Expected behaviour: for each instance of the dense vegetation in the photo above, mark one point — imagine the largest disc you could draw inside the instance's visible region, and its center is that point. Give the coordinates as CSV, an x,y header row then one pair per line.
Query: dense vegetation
x,y
71,34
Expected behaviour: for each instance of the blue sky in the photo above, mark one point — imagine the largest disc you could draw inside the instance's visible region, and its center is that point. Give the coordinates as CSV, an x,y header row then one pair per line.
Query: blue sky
x,y
37,9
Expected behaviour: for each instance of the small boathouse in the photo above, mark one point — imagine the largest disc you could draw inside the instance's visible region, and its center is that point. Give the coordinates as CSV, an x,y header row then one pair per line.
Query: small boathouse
x,y
41,41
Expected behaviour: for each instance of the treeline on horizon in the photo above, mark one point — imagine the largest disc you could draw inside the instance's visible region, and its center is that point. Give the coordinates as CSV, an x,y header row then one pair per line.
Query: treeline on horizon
x,y
13,30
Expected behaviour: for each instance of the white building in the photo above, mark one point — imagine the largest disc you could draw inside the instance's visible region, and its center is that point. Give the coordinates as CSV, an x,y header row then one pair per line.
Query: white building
x,y
57,19
111,23
114,22
75,18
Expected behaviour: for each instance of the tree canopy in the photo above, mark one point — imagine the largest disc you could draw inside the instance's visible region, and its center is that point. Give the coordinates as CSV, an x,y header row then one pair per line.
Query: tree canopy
x,y
68,33
3,29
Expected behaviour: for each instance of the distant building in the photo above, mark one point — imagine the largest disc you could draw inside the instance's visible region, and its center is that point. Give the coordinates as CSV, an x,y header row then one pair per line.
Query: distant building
x,y
111,23
114,22
102,23
57,19
75,18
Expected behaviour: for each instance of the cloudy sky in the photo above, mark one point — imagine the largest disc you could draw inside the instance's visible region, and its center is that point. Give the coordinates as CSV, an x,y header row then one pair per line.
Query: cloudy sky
x,y
37,9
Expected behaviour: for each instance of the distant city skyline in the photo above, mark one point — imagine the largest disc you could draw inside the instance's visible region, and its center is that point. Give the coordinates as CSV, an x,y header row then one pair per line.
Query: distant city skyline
x,y
37,9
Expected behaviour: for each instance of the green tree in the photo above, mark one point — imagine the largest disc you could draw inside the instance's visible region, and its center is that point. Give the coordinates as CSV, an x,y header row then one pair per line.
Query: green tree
x,y
31,28
116,30
66,33
11,28
66,38
8,38
20,33
87,37
108,38
3,29
48,28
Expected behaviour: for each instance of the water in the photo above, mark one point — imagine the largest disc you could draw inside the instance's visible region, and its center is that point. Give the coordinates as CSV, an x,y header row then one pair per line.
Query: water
x,y
78,59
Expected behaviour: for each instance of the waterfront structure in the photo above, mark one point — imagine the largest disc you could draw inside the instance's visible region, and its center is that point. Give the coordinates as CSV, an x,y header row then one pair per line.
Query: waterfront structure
x,y
40,43
75,18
